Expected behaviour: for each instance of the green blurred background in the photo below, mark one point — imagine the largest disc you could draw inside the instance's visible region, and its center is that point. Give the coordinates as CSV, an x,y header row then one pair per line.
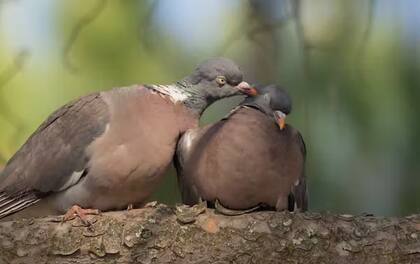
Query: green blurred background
x,y
352,68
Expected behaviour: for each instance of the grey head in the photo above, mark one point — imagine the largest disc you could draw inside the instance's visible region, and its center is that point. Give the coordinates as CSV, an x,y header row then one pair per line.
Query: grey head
x,y
273,101
214,79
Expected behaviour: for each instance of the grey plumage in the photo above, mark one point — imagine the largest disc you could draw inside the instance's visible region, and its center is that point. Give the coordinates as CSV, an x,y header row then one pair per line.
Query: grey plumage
x,y
22,181
245,159
109,149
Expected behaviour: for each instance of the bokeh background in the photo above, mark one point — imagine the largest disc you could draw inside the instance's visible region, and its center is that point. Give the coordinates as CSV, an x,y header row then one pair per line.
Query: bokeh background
x,y
352,68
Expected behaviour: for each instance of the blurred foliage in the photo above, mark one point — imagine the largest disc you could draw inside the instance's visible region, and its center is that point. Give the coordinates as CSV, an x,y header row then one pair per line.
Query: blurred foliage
x,y
352,68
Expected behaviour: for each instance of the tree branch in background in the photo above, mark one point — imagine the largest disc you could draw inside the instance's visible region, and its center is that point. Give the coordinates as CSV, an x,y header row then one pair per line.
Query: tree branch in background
x,y
145,25
365,37
368,29
76,31
198,235
299,28
9,73
238,33
305,50
5,77
254,27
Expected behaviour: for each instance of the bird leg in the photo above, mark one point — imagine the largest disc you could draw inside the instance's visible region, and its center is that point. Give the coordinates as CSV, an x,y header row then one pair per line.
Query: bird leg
x,y
76,210
225,211
152,204
282,203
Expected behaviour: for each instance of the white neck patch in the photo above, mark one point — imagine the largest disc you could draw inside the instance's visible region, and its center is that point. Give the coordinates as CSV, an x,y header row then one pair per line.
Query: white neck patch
x,y
175,94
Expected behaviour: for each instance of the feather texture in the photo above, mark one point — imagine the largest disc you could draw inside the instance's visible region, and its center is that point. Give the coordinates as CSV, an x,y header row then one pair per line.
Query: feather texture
x,y
10,204
242,161
51,157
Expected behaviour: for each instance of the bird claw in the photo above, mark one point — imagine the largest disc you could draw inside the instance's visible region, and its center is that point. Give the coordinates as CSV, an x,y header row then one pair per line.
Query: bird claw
x,y
76,210
151,204
188,214
225,211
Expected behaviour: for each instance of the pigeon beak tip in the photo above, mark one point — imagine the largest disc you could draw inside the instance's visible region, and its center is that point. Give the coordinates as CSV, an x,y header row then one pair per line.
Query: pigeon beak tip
x,y
280,118
247,89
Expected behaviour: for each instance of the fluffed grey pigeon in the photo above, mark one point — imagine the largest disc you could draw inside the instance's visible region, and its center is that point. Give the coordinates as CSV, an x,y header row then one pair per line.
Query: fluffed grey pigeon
x,y
247,160
110,149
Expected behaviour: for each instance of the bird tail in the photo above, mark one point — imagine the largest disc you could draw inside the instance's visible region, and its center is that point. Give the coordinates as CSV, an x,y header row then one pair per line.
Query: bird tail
x,y
300,195
10,204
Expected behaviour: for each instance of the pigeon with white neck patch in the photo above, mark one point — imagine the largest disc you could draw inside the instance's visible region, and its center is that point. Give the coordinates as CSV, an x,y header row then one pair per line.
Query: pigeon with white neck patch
x,y
110,149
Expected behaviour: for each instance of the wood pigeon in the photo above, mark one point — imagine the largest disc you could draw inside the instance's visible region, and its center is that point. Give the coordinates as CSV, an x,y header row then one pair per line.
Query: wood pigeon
x,y
110,149
247,160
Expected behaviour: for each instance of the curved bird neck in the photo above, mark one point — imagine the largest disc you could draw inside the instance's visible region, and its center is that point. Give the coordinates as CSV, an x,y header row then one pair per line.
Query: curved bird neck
x,y
185,93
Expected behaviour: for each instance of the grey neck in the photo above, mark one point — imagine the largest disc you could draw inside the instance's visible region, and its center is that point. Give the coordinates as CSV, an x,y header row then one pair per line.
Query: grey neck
x,y
186,93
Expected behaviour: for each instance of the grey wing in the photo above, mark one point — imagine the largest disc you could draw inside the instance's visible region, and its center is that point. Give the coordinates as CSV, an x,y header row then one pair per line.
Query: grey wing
x,y
53,158
184,149
300,191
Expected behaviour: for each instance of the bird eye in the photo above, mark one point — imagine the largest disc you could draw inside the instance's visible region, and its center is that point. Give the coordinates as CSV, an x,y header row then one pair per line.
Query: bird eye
x,y
221,80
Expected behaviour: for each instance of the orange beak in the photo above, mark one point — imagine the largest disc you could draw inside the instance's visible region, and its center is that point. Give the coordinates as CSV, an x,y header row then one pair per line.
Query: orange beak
x,y
247,89
280,119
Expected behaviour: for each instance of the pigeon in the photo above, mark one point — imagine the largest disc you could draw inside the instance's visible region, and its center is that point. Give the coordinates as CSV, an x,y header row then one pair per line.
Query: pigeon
x,y
108,150
250,159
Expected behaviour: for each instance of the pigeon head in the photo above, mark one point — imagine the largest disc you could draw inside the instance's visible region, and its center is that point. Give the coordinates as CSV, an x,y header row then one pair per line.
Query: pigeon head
x,y
272,100
218,78
215,79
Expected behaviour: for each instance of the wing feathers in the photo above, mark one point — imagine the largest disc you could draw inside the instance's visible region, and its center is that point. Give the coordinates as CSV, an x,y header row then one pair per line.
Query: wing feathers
x,y
15,203
3,197
301,190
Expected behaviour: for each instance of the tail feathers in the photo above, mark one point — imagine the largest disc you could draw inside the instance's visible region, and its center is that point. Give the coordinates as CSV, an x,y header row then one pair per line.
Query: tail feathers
x,y
300,195
10,204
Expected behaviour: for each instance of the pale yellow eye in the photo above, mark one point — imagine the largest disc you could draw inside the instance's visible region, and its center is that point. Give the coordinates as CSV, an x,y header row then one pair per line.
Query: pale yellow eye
x,y
221,80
